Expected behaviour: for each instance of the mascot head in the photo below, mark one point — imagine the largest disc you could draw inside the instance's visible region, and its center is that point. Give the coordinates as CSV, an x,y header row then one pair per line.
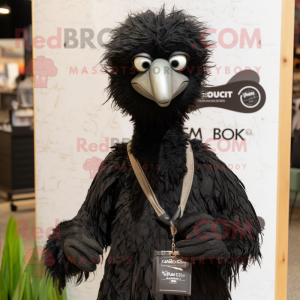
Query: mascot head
x,y
157,63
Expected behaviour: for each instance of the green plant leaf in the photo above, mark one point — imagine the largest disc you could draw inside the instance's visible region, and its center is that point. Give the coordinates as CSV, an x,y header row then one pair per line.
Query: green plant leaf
x,y
9,256
19,281
63,296
28,292
18,293
21,254
10,220
35,271
43,293
3,288
5,269
36,281
51,290
14,247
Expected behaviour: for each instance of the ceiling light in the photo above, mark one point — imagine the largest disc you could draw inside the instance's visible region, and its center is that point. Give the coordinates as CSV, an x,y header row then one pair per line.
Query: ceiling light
x,y
4,9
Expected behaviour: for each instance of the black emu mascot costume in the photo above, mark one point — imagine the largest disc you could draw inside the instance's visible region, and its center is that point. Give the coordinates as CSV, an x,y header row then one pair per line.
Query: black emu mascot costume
x,y
157,69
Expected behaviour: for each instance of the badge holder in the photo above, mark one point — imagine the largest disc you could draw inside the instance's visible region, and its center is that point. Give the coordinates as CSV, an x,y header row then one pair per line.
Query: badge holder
x,y
171,274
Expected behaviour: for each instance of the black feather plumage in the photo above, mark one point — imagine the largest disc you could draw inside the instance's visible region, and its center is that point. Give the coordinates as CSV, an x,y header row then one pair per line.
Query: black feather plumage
x,y
116,212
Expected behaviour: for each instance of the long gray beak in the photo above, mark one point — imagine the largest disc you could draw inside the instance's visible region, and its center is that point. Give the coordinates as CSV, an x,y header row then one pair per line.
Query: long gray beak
x,y
160,83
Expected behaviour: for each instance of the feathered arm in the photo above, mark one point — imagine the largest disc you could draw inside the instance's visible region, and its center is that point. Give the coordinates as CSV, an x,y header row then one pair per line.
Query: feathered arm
x,y
228,230
75,247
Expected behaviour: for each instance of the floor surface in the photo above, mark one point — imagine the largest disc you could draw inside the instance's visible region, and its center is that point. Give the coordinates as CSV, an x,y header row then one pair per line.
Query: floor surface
x,y
294,257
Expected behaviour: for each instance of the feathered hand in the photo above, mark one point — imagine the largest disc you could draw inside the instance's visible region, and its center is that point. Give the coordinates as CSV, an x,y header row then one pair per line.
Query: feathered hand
x,y
202,238
82,250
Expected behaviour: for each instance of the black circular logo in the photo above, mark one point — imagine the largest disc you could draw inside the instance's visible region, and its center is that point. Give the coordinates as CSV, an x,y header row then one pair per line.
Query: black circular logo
x,y
249,96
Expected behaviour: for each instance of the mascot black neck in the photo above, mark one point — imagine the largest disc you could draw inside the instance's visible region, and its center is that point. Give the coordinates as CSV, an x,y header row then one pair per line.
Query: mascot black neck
x,y
149,141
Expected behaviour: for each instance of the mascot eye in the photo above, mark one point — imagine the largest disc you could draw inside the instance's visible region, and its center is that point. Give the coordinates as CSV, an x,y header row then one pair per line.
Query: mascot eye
x,y
142,63
178,61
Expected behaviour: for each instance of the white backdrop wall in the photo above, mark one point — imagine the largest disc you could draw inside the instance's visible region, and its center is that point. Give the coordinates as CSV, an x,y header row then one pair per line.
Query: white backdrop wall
x,y
69,110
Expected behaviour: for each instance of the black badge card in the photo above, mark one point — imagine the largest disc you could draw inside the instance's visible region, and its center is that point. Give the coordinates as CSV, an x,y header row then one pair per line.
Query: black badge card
x,y
171,275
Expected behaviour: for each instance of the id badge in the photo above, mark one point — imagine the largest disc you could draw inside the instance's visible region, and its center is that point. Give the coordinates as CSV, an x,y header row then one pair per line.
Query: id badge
x,y
171,275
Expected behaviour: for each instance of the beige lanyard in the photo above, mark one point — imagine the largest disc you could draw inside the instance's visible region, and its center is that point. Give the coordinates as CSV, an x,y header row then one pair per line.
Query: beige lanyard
x,y
186,187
